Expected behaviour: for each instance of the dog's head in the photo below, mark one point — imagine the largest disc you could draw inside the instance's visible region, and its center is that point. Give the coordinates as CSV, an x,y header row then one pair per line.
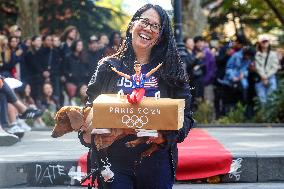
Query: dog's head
x,y
68,119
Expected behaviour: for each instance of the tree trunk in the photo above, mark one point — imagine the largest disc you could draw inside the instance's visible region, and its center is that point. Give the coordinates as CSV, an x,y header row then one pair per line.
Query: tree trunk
x,y
194,19
276,11
28,17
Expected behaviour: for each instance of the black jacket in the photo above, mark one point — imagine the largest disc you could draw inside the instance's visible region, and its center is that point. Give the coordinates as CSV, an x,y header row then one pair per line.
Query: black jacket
x,y
105,81
75,70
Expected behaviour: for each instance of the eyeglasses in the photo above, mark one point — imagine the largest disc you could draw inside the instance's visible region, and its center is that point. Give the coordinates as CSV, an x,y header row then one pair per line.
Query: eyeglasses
x,y
144,23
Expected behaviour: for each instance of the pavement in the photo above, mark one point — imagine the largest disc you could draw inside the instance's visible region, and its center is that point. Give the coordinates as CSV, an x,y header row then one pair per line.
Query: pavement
x,y
39,160
193,186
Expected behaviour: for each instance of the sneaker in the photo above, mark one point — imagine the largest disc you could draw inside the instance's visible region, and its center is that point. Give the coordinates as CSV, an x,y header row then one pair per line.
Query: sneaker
x,y
23,125
31,113
16,130
7,139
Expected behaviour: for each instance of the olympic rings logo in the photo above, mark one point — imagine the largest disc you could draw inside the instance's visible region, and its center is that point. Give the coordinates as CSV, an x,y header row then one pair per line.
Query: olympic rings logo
x,y
134,121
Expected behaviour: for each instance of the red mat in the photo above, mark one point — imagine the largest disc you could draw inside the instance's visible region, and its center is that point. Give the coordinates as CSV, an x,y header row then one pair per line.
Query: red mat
x,y
202,156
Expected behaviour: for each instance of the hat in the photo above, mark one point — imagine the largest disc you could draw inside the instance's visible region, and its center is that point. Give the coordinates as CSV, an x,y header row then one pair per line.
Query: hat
x,y
263,38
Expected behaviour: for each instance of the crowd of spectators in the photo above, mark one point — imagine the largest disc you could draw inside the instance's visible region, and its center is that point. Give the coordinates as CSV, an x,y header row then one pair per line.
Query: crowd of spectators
x,y
54,70
237,71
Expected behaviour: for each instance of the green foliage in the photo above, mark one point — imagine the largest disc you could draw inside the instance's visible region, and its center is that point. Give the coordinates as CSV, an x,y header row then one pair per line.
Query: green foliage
x,y
236,115
56,15
253,13
84,14
8,13
204,113
48,118
273,110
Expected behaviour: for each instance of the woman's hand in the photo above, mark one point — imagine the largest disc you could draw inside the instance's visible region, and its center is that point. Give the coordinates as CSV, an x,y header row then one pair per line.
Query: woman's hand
x,y
1,83
157,140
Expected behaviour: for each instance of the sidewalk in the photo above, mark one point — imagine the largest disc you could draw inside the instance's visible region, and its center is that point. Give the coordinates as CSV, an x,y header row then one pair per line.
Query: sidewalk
x,y
41,160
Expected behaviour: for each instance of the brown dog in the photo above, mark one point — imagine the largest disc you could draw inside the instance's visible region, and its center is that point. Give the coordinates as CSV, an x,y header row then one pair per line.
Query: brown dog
x,y
74,118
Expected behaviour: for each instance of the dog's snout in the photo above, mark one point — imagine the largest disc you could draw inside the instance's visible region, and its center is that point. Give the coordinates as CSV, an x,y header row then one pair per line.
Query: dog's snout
x,y
53,135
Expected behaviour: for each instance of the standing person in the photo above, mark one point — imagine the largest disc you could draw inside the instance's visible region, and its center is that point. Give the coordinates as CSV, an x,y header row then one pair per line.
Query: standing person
x,y
195,70
208,60
266,64
33,61
69,35
92,55
50,64
76,72
149,41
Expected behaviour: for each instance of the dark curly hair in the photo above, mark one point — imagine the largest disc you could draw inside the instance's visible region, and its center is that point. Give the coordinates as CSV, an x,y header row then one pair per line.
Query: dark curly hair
x,y
164,51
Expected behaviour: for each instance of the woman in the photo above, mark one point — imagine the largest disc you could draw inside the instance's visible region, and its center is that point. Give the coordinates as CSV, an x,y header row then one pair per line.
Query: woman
x,y
266,64
149,41
113,45
33,60
48,100
76,72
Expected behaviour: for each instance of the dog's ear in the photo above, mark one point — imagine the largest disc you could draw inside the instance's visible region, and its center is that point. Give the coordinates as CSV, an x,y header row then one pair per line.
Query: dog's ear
x,y
76,118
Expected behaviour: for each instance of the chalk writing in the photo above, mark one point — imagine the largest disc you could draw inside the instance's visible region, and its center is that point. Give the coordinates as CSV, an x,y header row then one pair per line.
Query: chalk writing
x,y
48,173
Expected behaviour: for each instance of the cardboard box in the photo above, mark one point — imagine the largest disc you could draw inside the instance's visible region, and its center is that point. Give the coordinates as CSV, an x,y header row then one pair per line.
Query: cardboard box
x,y
113,111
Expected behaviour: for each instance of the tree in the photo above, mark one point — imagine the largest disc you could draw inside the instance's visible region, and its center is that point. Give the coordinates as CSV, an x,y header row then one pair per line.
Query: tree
x,y
194,20
52,16
28,17
254,14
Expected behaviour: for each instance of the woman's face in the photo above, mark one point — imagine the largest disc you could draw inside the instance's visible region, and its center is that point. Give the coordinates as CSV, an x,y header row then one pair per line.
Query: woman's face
x,y
28,90
145,31
72,35
37,42
47,90
189,44
48,42
14,43
83,90
79,46
264,44
28,42
117,39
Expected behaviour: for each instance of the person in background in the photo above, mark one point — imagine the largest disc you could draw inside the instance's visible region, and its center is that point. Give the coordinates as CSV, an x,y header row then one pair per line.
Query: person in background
x,y
14,107
195,69
33,63
6,139
50,64
75,71
24,94
48,101
92,55
208,60
267,65
114,43
236,75
69,35
224,54
103,40
56,42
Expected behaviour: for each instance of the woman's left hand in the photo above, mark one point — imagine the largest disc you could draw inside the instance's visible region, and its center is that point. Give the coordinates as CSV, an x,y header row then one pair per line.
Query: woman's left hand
x,y
157,140
1,83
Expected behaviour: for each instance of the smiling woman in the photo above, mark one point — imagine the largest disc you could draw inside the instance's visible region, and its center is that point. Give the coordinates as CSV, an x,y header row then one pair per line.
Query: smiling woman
x,y
150,43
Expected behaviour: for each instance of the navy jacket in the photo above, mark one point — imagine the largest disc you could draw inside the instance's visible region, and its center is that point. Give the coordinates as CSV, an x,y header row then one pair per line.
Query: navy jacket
x,y
105,81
